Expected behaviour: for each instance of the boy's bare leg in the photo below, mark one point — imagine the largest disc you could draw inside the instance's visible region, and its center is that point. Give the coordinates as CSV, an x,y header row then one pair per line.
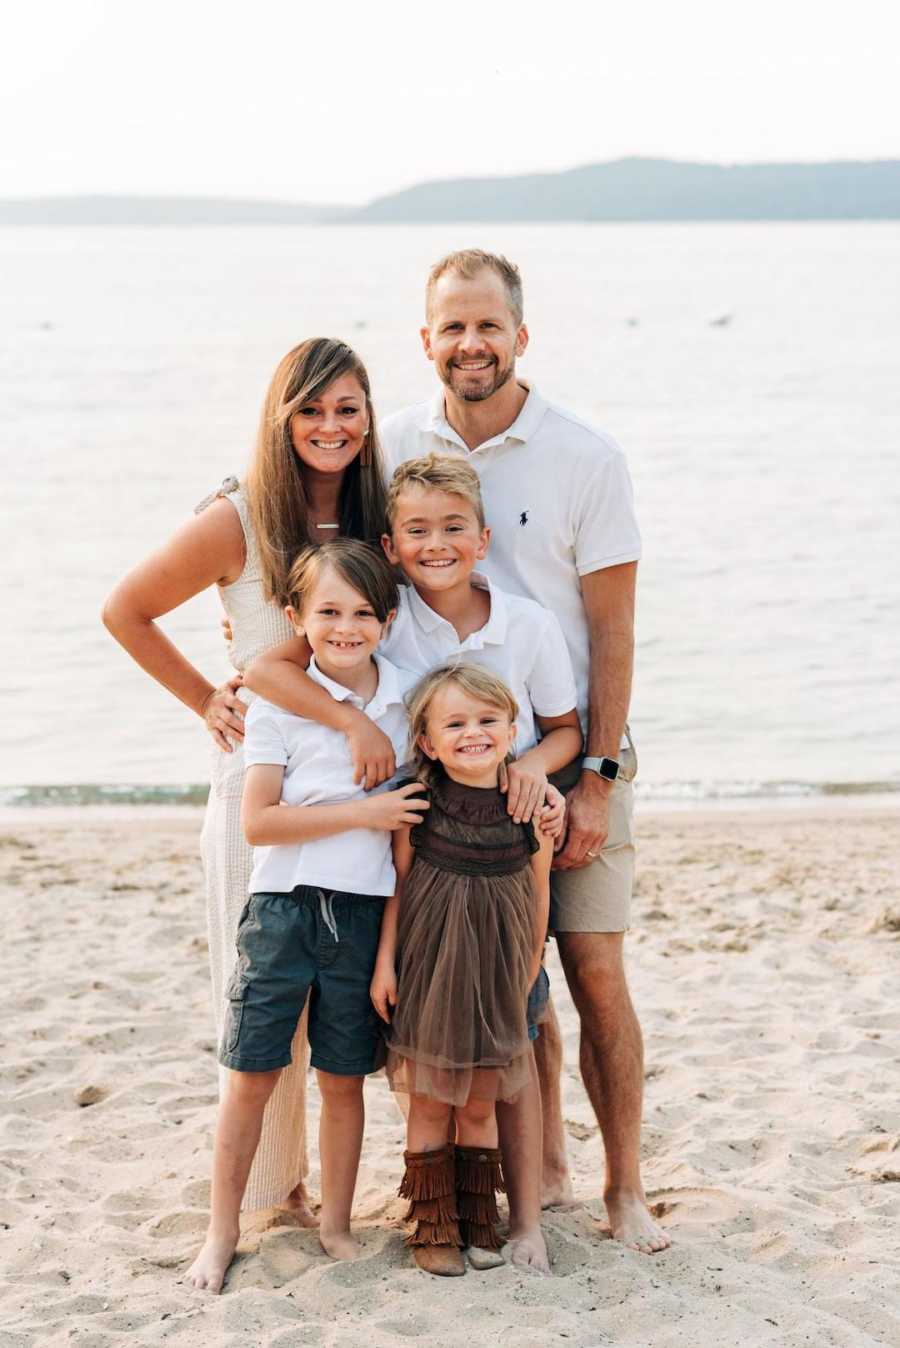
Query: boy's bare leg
x,y
612,1065
237,1137
519,1126
340,1142
297,1202
556,1182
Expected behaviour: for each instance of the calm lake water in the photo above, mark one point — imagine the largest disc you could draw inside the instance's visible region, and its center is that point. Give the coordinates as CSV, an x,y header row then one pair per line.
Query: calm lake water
x,y
750,372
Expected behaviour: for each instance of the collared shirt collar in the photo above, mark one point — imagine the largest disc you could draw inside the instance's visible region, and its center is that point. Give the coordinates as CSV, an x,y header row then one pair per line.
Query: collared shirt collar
x,y
385,695
524,426
495,629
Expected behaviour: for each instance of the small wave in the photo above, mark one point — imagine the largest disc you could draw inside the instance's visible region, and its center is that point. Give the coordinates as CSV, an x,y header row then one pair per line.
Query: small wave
x,y
757,790
685,792
88,793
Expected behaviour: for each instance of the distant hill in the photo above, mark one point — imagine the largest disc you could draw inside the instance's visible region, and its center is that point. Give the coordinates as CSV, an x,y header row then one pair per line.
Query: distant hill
x,y
624,189
657,189
110,210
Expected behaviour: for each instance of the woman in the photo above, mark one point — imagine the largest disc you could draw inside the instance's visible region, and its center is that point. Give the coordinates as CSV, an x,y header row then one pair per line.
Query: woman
x,y
315,473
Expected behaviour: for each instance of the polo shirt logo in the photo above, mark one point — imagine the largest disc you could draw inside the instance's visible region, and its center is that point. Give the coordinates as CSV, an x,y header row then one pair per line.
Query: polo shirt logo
x,y
523,518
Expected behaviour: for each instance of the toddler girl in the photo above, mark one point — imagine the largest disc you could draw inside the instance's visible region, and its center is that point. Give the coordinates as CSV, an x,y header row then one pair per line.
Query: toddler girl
x,y
464,932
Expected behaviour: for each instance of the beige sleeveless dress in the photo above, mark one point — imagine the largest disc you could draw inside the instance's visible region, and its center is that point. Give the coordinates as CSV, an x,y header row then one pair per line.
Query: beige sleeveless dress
x,y
256,625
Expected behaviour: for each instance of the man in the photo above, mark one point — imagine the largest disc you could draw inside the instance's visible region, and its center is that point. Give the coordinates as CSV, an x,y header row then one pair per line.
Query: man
x,y
559,501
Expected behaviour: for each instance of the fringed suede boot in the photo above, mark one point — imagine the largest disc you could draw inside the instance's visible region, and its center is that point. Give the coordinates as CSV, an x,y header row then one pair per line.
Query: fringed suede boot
x,y
429,1183
478,1179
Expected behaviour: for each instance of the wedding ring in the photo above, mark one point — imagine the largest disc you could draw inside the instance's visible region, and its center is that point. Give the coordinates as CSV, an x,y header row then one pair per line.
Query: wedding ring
x,y
592,854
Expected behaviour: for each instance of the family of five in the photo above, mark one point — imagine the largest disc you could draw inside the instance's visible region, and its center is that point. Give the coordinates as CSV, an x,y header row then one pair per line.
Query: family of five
x,y
421,765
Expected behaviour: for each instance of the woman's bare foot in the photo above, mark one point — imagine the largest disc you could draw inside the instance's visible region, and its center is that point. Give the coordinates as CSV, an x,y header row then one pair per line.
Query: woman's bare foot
x,y
556,1187
340,1244
209,1268
297,1204
630,1222
526,1249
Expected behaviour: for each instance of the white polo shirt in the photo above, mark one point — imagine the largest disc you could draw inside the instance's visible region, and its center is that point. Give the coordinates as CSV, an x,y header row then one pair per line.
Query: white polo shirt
x,y
318,770
521,641
557,496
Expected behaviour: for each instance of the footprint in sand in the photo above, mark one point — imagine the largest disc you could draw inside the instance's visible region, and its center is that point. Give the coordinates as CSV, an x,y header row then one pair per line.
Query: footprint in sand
x,y
770,1246
273,1261
286,1255
706,1207
179,1224
415,1327
309,1332
196,1194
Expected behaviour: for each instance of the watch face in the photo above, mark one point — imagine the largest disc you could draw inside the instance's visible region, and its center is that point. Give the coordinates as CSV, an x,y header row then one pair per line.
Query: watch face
x,y
604,767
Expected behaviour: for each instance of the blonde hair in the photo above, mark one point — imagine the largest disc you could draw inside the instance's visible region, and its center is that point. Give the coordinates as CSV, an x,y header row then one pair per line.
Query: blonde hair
x,y
364,568
277,497
436,472
467,263
474,680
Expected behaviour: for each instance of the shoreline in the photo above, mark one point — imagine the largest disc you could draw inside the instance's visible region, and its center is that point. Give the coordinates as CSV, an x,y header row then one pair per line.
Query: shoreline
x,y
878,804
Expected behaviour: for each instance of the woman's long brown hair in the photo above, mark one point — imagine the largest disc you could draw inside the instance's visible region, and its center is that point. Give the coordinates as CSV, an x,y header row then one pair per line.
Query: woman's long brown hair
x,y
275,491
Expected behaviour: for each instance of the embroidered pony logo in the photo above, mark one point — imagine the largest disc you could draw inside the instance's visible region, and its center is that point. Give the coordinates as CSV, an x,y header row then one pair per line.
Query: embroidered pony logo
x,y
523,518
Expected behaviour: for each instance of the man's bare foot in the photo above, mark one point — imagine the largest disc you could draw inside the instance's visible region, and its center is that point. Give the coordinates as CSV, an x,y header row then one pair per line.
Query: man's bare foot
x,y
631,1223
527,1250
297,1204
209,1268
340,1244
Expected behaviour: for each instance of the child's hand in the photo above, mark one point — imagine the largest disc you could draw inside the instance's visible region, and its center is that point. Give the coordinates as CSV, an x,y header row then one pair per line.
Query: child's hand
x,y
551,817
525,789
395,809
371,751
383,990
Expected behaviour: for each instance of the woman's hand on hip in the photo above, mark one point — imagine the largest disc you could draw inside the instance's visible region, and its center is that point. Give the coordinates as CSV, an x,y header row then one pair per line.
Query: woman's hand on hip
x,y
223,712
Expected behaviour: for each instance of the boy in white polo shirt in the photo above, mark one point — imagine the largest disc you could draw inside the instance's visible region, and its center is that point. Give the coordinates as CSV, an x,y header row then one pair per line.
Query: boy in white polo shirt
x,y
322,871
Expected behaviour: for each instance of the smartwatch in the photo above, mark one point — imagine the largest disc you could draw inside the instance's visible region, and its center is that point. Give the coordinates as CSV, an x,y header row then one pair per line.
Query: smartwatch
x,y
607,768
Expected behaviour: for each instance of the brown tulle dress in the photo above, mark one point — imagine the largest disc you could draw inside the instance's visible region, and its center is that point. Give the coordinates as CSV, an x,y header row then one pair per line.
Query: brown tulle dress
x,y
465,939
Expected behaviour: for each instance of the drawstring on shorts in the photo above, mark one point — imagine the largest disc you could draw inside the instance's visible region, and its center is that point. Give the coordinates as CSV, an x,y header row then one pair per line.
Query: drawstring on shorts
x,y
326,909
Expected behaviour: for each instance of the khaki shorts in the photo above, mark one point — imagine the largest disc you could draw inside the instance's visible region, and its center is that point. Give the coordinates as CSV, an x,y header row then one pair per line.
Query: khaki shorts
x,y
598,897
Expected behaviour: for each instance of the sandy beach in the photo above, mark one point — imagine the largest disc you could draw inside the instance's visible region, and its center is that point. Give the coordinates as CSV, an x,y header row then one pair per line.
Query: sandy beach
x,y
765,964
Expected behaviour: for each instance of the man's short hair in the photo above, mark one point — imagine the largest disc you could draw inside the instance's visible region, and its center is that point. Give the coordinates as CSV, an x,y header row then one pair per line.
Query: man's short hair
x,y
468,263
436,472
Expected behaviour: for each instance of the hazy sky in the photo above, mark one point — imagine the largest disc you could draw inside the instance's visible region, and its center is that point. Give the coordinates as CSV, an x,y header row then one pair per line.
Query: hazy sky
x,y
341,102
